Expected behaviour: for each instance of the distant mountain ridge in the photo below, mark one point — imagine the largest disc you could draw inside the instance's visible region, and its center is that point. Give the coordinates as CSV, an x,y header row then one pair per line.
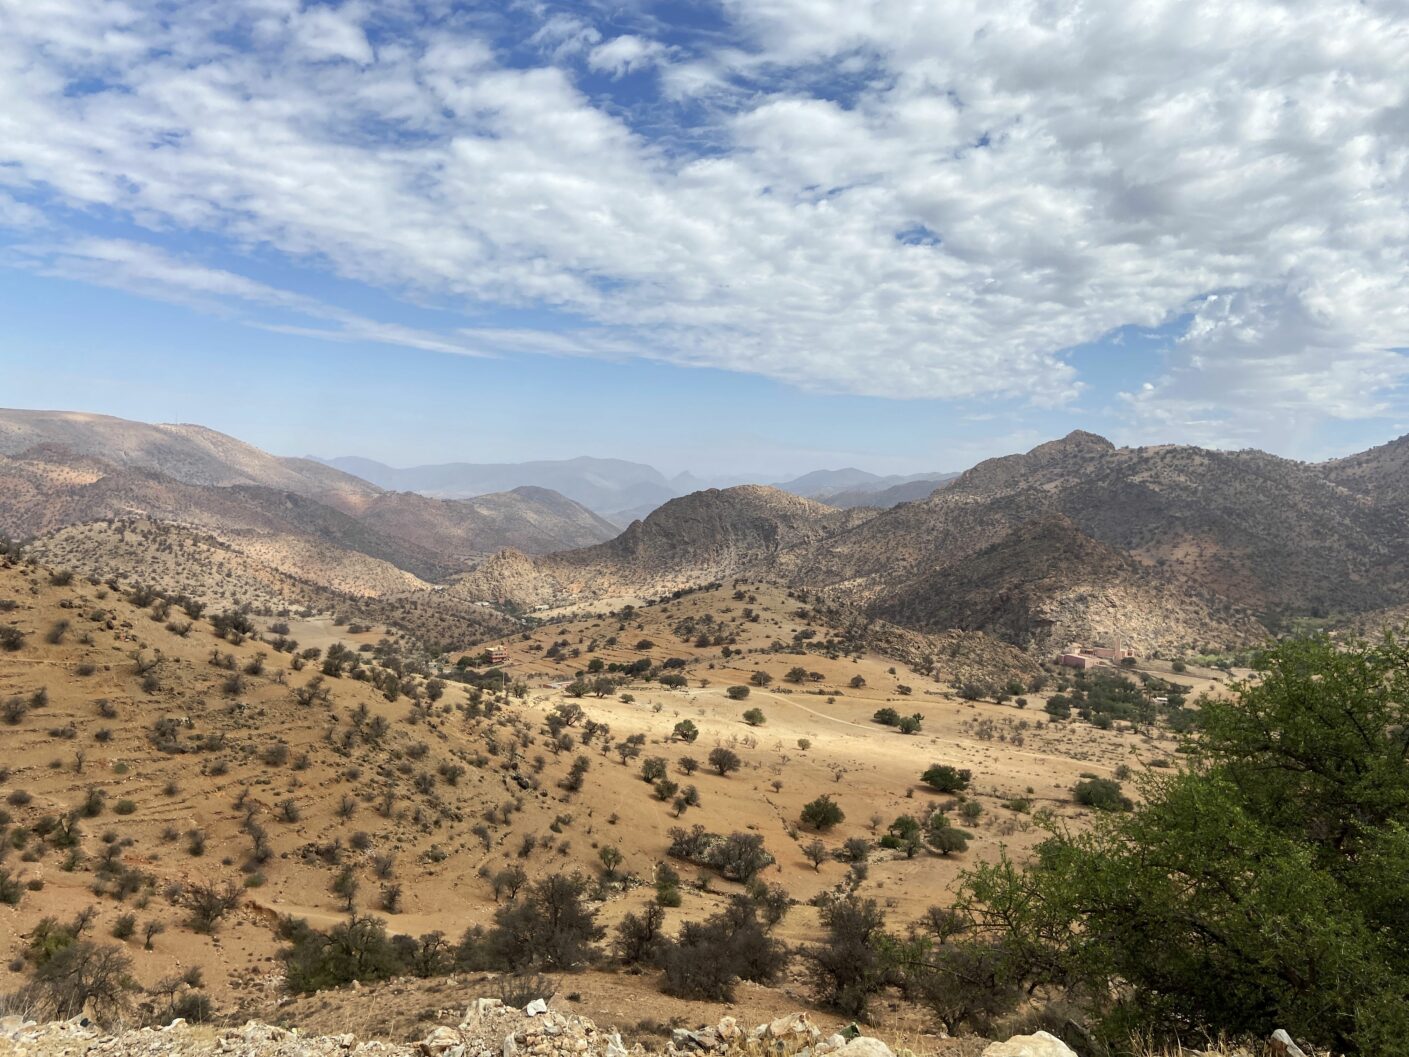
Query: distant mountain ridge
x,y
601,485
624,491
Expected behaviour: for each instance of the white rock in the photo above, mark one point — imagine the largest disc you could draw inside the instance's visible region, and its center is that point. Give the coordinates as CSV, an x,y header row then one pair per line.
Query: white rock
x,y
864,1046
1043,1044
536,1007
440,1042
793,1025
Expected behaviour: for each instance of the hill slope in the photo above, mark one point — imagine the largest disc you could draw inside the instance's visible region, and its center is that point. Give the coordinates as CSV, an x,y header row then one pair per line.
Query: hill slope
x,y
185,453
1047,584
1269,534
696,539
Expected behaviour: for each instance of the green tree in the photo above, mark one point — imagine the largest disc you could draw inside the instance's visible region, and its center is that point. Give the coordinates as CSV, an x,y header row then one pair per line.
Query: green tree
x,y
822,813
1265,886
724,760
945,837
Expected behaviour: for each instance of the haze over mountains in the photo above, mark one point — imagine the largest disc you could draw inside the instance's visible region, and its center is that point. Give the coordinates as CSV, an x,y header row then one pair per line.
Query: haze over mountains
x,y
623,491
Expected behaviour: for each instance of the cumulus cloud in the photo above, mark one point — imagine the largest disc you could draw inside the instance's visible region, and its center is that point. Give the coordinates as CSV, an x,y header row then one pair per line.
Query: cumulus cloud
x,y
883,197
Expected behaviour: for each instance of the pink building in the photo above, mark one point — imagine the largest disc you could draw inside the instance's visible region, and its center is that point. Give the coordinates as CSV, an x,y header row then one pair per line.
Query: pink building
x,y
1077,660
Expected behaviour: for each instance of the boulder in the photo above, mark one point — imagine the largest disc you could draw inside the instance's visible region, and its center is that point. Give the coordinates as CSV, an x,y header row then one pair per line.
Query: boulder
x,y
439,1042
1042,1044
864,1046
1283,1046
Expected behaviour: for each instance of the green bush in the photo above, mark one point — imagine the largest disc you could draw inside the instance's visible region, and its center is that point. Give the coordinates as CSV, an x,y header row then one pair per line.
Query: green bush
x,y
822,813
1101,793
946,779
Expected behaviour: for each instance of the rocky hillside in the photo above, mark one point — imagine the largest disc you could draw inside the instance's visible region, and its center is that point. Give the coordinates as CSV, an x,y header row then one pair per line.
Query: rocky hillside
x,y
488,1028
1047,584
1168,546
698,538
224,522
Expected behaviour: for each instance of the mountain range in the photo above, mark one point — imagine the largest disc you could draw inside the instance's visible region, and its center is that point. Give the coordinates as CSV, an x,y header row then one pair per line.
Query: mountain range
x,y
1169,547
622,491
1166,547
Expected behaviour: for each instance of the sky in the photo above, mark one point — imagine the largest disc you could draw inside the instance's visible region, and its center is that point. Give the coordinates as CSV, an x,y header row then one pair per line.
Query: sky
x,y
733,236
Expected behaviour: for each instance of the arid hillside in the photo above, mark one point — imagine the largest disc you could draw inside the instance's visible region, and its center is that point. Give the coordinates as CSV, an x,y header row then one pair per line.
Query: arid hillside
x,y
696,539
196,775
186,453
221,520
61,468
1047,584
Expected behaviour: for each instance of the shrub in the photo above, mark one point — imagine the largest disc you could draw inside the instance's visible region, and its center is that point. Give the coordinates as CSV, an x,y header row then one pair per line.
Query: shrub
x,y
206,903
11,891
822,813
357,949
737,693
519,989
1103,794
639,937
709,958
754,717
946,779
855,959
738,857
550,927
945,837
77,976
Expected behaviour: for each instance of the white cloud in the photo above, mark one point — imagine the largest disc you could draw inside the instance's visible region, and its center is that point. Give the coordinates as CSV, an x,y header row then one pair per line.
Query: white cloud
x,y
1072,170
333,33
626,54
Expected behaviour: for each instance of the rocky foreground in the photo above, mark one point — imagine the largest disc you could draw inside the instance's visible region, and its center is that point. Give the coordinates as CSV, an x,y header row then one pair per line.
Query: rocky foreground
x,y
489,1029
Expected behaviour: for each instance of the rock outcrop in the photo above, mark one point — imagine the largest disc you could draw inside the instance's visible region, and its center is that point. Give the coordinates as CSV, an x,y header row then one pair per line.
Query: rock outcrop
x,y
488,1029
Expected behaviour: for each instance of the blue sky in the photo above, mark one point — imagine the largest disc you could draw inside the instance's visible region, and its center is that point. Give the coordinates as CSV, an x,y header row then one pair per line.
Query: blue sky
x,y
745,238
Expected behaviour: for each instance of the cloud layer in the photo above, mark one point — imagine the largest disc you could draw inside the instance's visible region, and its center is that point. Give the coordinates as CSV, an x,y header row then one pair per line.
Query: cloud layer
x,y
869,196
